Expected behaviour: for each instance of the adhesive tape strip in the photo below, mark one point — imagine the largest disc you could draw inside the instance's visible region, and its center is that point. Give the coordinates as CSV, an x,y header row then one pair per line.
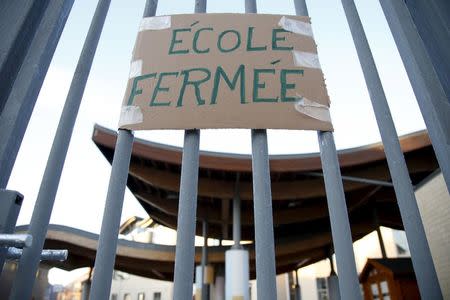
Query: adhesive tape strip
x,y
296,26
130,115
136,68
313,109
306,59
155,23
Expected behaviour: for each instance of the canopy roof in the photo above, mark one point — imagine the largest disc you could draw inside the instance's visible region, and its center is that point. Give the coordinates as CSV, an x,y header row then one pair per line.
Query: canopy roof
x,y
301,221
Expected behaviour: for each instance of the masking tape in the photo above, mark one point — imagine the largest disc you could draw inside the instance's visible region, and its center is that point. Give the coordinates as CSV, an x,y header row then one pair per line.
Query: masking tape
x,y
130,115
155,23
296,26
135,68
306,59
313,109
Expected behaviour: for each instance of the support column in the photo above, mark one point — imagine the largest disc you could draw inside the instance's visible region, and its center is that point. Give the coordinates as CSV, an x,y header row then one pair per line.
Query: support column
x,y
29,263
237,216
412,222
298,292
337,207
333,282
380,236
205,286
433,102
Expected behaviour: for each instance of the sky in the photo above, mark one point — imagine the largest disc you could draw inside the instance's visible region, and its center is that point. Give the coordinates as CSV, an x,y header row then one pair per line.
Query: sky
x,y
84,182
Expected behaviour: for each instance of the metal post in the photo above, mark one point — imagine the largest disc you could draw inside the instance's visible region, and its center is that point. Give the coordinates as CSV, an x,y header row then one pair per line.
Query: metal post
x,y
205,287
337,207
262,201
380,236
237,216
187,208
412,222
298,292
431,97
48,255
23,284
19,103
19,20
16,240
333,282
10,203
107,242
340,226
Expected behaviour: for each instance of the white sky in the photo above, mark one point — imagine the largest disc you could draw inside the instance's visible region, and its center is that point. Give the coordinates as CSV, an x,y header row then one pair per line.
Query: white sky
x,y
82,190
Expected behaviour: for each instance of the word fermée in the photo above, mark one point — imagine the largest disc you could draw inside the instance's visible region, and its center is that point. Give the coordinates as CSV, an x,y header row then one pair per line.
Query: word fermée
x,y
204,76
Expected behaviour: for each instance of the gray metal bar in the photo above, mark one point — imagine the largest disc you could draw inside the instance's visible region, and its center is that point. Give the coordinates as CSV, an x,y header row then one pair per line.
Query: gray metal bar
x,y
355,179
431,97
19,20
47,254
237,216
23,284
380,236
262,202
337,207
298,292
187,210
19,103
340,226
10,204
16,240
109,233
412,222
205,287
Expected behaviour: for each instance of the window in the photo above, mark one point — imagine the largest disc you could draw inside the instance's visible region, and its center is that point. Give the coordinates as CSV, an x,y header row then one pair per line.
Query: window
x,y
141,296
157,296
375,293
322,288
127,297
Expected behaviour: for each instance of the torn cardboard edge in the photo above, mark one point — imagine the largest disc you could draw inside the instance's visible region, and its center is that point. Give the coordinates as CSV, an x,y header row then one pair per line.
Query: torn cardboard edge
x,y
130,115
306,59
135,68
296,26
155,23
313,109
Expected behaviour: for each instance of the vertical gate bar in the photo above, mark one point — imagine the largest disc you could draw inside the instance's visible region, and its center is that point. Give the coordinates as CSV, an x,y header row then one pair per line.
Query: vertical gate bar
x,y
337,207
187,208
412,222
340,226
28,265
100,287
19,20
262,202
237,215
432,100
107,242
20,102
205,290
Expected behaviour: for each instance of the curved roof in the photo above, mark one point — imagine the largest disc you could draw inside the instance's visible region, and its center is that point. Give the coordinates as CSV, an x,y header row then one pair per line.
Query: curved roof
x,y
301,221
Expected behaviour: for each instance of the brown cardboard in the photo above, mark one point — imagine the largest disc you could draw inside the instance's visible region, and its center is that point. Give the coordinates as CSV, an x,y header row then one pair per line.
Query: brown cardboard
x,y
167,111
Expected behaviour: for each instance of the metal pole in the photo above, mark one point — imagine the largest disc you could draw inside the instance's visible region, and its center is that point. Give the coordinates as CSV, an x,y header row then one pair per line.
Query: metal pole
x,y
380,236
298,293
28,265
107,243
205,287
16,240
187,208
432,100
48,255
20,102
340,226
237,216
337,207
333,281
412,222
262,201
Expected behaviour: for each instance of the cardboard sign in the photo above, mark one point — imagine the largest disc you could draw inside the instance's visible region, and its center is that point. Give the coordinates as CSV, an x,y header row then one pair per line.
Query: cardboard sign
x,y
225,71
